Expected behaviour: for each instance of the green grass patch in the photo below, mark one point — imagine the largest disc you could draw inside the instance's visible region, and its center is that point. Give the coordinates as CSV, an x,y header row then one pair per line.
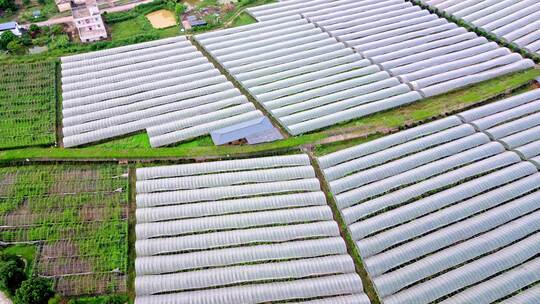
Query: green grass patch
x,y
27,252
243,19
139,26
27,104
441,104
100,300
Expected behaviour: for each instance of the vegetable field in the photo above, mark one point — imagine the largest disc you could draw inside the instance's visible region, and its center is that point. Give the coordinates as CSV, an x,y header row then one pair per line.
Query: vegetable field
x,y
78,217
27,104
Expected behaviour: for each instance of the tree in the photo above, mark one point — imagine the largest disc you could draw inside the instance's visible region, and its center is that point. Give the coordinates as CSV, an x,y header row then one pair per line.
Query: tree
x,y
6,38
6,257
179,9
34,291
26,39
16,47
34,30
7,5
57,29
11,275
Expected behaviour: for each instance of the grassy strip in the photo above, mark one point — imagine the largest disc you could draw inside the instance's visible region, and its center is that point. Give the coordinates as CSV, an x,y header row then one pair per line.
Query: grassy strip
x,y
137,147
368,286
132,179
429,109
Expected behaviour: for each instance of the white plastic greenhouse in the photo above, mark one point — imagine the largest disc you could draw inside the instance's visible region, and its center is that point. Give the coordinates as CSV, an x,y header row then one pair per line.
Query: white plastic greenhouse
x,y
239,231
129,89
517,21
302,75
428,53
429,206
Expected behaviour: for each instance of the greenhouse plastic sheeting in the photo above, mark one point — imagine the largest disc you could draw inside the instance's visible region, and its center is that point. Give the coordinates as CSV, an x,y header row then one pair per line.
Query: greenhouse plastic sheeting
x,y
222,166
212,240
500,286
401,214
147,215
380,144
432,221
233,221
215,277
258,293
469,274
448,258
239,255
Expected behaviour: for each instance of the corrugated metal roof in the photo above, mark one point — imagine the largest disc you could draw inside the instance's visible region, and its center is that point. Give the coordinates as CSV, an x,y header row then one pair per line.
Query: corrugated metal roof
x,y
264,136
241,130
8,26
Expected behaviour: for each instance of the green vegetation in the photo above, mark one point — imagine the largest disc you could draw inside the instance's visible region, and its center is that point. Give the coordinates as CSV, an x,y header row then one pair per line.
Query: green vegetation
x,y
26,252
16,263
7,8
27,104
12,273
115,299
78,213
47,9
139,26
243,19
34,291
139,10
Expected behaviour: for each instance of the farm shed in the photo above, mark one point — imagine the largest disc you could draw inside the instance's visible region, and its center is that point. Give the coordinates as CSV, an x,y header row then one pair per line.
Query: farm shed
x,y
258,130
166,87
430,206
10,26
240,231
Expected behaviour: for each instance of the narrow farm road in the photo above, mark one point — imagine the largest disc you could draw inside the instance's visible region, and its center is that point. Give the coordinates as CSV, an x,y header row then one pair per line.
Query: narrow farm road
x,y
60,20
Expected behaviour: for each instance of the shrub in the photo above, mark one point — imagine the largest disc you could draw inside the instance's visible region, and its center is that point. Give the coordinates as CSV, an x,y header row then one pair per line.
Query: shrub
x,y
16,47
34,291
59,42
7,5
11,275
11,257
57,29
6,38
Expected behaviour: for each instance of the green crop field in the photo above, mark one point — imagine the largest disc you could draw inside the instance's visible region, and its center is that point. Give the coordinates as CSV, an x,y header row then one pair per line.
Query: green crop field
x,y
77,214
27,104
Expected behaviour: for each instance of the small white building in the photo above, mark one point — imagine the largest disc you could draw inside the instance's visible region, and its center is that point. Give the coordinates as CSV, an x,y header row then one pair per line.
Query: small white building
x,y
88,21
63,5
10,26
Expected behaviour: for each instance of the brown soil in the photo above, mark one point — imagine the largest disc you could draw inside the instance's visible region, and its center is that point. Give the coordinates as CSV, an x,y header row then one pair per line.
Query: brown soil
x,y
91,284
6,183
63,266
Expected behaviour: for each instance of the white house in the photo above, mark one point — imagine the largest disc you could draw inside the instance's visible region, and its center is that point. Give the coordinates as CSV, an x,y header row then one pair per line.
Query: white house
x,y
88,21
10,26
